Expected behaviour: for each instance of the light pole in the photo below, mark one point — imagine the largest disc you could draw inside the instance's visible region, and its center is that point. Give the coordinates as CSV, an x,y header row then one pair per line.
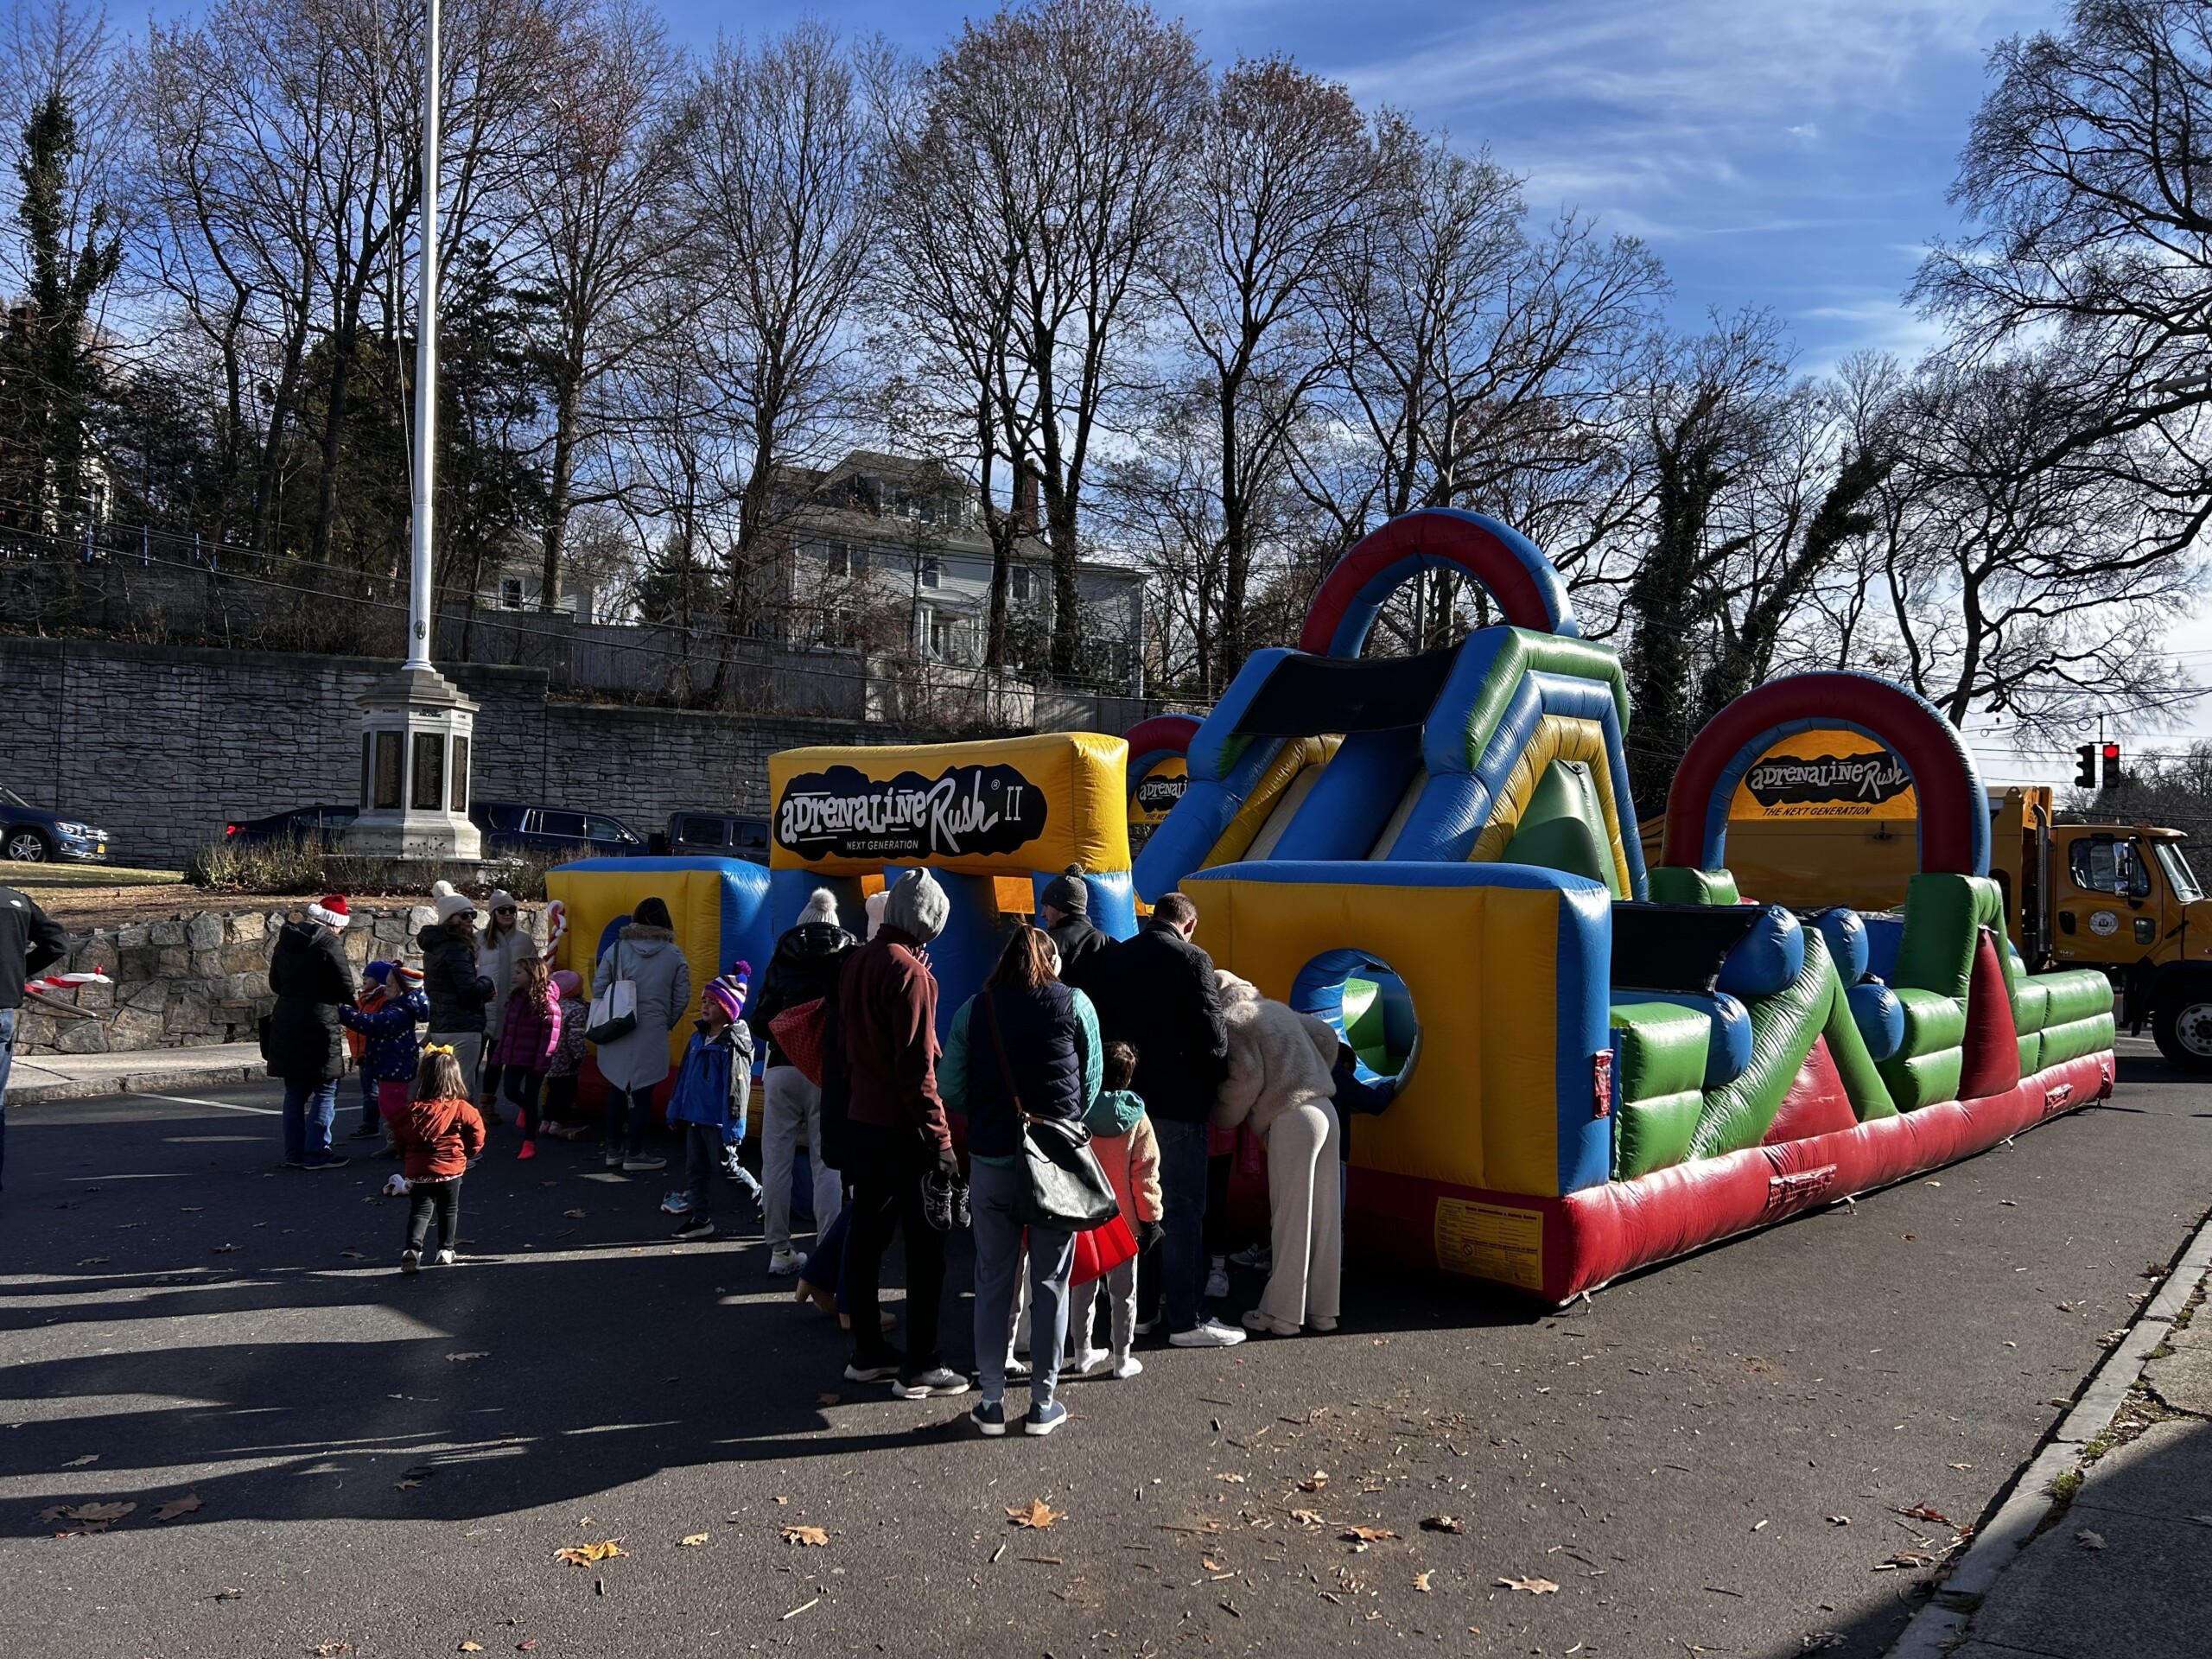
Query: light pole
x,y
417,730
422,613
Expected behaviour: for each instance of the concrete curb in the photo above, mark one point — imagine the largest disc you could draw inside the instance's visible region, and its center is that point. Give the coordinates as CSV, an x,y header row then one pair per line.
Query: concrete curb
x,y
154,1079
1943,1623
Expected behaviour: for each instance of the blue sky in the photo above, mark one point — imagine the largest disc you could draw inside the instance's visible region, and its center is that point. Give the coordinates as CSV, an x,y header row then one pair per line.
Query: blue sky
x,y
1791,155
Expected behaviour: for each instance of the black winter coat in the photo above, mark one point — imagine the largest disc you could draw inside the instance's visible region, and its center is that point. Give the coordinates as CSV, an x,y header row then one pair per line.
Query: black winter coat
x,y
30,943
1080,945
1157,992
310,975
456,991
1043,1040
804,966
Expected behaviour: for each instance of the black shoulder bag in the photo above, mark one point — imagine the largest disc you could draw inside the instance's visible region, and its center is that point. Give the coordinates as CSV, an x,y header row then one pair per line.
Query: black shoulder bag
x,y
1065,1190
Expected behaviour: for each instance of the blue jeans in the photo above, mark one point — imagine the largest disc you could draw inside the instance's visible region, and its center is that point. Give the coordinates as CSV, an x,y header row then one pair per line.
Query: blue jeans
x,y
1183,1221
707,1155
7,1063
309,1109
638,1103
992,1192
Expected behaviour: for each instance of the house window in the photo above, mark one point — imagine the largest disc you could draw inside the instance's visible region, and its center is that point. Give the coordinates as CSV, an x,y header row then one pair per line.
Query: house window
x,y
1019,580
932,573
511,593
944,636
840,561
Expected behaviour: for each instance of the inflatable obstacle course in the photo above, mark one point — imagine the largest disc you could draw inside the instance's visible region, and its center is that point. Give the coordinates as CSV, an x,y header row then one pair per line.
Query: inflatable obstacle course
x,y
1617,1065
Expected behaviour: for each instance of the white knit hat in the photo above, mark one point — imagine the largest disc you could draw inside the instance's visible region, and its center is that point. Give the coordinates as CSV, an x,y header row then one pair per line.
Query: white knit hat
x,y
821,906
450,904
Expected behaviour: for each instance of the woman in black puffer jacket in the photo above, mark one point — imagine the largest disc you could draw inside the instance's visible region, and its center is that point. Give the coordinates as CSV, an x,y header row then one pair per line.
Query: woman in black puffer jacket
x,y
310,976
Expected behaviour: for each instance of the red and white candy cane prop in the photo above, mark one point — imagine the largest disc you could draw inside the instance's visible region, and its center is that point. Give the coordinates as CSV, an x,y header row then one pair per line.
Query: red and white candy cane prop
x,y
66,982
557,924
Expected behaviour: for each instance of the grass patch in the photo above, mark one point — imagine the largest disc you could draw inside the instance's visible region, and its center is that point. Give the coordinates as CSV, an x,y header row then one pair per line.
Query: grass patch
x,y
57,878
2065,1486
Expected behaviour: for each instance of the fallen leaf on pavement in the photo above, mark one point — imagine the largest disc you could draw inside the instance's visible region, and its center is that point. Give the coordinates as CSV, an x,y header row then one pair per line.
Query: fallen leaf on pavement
x,y
1314,1482
1442,1523
1038,1515
405,1485
1420,1582
91,1261
224,1249
1306,1517
783,1500
78,1463
808,1536
471,1646
177,1506
691,1540
2090,1540
478,1354
1922,1512
2201,1520
573,1215
358,1256
1234,1480
585,1554
826,1399
329,1650
229,1593
1958,1466
1366,1535
1533,1586
91,1517
529,1644
1839,1520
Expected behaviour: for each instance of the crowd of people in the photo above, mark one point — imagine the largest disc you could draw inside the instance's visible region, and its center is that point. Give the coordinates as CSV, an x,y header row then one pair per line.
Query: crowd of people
x,y
1172,1069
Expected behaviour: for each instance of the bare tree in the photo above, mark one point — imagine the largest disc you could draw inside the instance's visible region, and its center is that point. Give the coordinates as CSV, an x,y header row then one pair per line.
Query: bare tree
x,y
1276,187
1070,123
2086,179
596,229
2020,585
774,183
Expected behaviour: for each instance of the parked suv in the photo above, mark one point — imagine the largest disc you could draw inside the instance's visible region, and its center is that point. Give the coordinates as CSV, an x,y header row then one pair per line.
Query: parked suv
x,y
514,827
717,834
324,827
30,835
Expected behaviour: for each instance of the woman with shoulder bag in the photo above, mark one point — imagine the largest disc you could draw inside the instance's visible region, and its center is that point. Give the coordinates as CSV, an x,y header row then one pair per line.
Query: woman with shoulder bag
x,y
1024,1048
634,1062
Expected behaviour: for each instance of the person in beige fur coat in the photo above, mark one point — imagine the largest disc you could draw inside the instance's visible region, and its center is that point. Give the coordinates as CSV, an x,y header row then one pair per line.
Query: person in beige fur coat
x,y
1279,1066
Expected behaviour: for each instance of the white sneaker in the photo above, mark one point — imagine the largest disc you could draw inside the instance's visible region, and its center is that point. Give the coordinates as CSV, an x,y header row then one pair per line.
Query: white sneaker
x,y
1206,1333
445,1258
783,1259
1127,1366
643,1165
1089,1362
1322,1323
1217,1282
1259,1319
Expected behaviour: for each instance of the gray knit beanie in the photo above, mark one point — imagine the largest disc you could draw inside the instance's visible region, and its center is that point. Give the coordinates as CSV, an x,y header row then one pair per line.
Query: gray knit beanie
x,y
821,906
917,906
1068,891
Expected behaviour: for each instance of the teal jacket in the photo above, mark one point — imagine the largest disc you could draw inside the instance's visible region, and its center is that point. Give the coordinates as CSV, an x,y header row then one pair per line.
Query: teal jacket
x,y
952,1066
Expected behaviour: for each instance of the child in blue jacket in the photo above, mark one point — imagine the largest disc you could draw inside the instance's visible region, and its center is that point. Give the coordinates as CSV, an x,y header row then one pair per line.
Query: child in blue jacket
x,y
389,1050
713,1088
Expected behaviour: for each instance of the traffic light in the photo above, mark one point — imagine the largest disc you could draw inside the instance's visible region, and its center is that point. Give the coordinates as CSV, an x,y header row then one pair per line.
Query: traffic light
x,y
2112,765
2085,769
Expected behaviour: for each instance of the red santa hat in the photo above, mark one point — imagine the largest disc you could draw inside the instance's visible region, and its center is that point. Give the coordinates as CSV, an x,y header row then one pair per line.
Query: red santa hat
x,y
331,911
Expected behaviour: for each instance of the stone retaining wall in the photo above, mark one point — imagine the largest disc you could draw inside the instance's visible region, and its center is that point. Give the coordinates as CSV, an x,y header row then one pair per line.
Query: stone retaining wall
x,y
196,980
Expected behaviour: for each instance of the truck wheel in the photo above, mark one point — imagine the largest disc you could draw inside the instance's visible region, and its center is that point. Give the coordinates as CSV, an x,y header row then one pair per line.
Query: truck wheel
x,y
2182,1024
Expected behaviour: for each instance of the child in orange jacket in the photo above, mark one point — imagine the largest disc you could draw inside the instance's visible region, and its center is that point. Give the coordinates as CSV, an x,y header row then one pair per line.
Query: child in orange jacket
x,y
439,1133
1121,1136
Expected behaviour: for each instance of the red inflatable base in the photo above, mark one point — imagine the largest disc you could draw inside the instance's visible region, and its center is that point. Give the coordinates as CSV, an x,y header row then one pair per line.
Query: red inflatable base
x,y
1558,1248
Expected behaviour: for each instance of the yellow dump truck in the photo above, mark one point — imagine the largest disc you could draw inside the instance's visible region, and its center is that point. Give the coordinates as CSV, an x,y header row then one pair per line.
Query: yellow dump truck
x,y
1830,818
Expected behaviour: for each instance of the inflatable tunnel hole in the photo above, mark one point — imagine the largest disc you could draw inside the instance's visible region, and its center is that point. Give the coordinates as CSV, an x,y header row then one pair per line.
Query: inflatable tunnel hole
x,y
1367,1002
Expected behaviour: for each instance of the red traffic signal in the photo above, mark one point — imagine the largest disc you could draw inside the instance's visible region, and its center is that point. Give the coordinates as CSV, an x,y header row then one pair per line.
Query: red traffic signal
x,y
2112,765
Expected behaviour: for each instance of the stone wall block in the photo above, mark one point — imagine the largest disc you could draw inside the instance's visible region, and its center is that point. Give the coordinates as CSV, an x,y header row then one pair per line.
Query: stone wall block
x,y
166,934
247,926
135,1027
133,936
204,931
171,961
80,1037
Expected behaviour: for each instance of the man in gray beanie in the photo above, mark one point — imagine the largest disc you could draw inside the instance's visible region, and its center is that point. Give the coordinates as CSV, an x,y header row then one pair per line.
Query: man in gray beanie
x,y
895,1133
1063,911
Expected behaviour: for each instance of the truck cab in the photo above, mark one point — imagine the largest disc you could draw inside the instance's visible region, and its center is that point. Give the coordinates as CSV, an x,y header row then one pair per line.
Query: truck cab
x,y
2125,898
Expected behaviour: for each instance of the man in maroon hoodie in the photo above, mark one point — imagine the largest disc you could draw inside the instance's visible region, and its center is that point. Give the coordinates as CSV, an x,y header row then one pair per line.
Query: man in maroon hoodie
x,y
895,1134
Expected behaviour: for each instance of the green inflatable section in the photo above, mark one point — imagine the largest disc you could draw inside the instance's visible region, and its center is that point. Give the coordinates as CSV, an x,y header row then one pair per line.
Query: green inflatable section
x,y
1563,827
1672,883
1944,915
1659,1050
1784,1027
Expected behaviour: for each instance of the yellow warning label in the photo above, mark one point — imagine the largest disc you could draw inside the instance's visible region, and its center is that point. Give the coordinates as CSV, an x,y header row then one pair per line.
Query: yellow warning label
x,y
1490,1240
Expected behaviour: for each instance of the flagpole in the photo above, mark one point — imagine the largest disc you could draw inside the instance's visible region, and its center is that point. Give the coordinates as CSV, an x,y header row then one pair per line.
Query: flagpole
x,y
420,612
